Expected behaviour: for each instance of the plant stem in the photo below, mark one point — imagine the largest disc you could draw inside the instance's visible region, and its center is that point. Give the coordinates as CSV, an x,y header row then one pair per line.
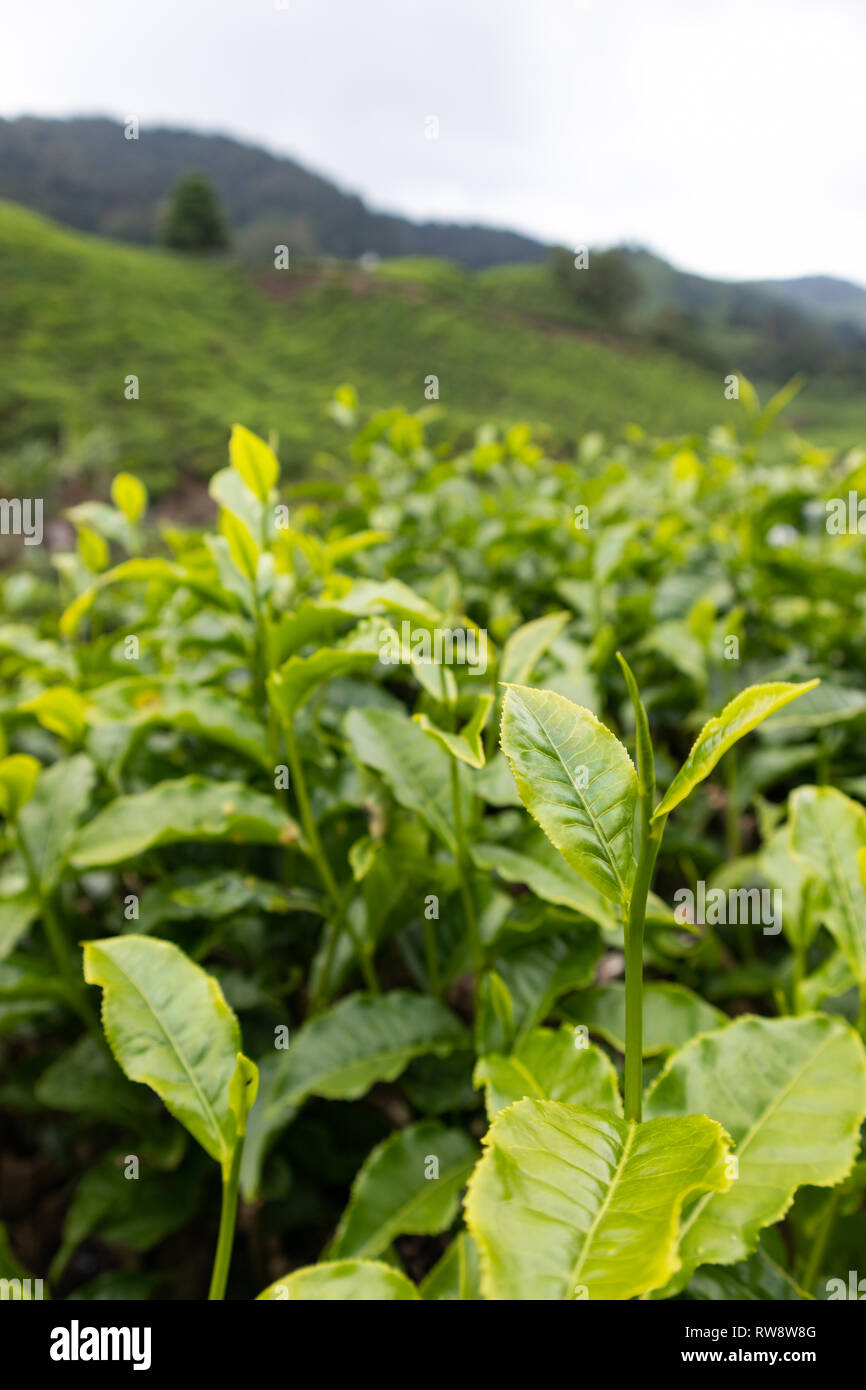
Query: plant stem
x,y
228,1214
432,959
464,872
812,1267
323,869
634,930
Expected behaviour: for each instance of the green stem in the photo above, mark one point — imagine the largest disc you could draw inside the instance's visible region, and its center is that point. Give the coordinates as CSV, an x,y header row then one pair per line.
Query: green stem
x,y
228,1215
812,1267
326,877
861,1016
650,839
432,959
634,931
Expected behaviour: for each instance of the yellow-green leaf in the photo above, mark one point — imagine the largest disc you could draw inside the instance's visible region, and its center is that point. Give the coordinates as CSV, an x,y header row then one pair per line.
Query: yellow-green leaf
x,y
579,783
61,710
570,1202
342,1281
255,461
748,709
129,495
169,1026
18,775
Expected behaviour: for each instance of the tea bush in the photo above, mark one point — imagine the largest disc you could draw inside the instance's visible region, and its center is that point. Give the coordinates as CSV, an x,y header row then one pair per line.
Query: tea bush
x,y
271,895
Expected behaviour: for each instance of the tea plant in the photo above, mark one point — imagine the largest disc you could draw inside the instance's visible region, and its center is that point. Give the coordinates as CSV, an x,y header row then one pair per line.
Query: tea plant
x,y
280,770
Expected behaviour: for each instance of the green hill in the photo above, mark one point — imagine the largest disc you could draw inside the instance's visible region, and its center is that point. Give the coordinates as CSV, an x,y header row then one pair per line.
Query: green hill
x,y
84,173
211,342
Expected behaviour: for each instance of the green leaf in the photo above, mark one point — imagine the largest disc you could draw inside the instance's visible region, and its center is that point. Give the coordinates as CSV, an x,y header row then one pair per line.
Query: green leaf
x,y
49,820
544,870
292,685
578,782
467,745
415,770
85,1080
61,710
254,461
136,1212
18,775
828,832
191,808
243,1089
570,1202
672,1015
748,709
129,495
243,548
791,1092
758,1279
17,912
409,1185
539,973
93,549
549,1065
340,1054
203,710
169,1026
456,1277
342,1281
801,888
521,652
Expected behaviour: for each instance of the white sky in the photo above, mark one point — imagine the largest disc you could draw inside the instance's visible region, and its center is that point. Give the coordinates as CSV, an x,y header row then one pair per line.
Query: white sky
x,y
729,135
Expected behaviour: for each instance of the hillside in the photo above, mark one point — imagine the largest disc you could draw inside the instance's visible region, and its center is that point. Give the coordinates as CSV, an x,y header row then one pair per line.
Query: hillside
x,y
84,173
212,343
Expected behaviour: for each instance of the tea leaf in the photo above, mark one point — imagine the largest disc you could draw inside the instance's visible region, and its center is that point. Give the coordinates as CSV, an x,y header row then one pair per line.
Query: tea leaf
x,y
397,1191
744,713
793,1099
169,1026
570,1202
578,782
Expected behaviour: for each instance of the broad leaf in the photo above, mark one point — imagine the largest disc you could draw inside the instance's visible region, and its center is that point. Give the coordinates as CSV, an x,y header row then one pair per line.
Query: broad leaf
x,y
549,1065
342,1281
415,770
48,821
672,1015
828,831
169,1026
579,783
467,745
456,1277
409,1185
191,808
744,713
293,684
791,1092
570,1202
340,1055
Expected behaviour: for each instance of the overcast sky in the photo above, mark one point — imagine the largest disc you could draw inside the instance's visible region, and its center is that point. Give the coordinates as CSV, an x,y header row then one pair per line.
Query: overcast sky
x,y
728,135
